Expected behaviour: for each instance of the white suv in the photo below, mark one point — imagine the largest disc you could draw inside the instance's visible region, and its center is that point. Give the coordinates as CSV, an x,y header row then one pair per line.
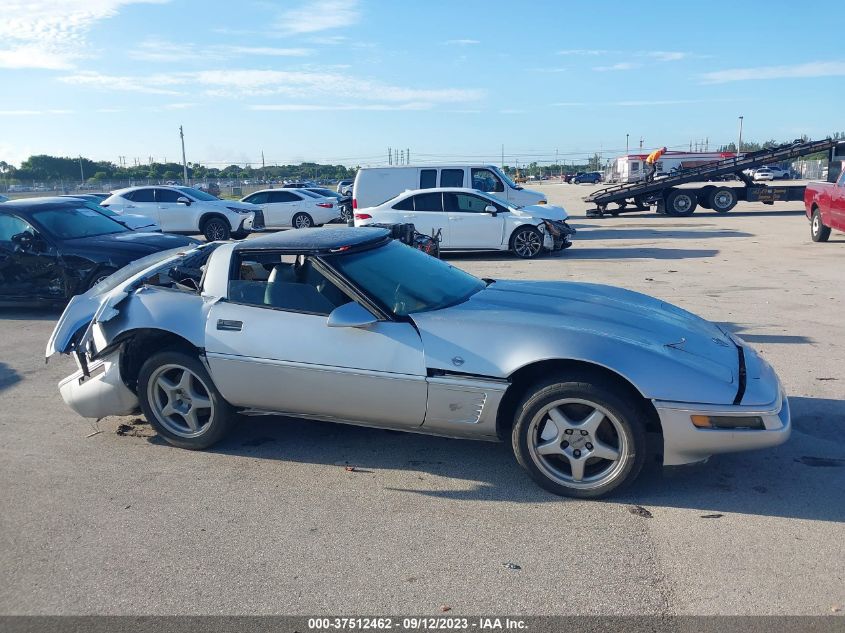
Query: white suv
x,y
187,210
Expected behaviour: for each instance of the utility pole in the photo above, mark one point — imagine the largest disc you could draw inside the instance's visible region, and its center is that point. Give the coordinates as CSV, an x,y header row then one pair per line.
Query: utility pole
x,y
408,156
557,164
184,164
641,143
739,142
626,144
389,155
81,173
263,170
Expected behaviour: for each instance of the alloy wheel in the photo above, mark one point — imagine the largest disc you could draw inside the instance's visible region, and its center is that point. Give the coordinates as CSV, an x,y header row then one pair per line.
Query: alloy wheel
x,y
527,244
180,400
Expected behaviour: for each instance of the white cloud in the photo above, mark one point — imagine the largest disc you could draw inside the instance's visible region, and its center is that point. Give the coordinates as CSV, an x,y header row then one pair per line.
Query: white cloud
x,y
615,67
179,106
155,50
51,34
462,42
319,15
33,112
314,107
304,85
583,51
795,71
667,56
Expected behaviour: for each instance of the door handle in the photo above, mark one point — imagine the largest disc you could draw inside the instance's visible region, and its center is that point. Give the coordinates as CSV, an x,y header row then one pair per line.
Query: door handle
x,y
130,206
455,218
229,326
410,215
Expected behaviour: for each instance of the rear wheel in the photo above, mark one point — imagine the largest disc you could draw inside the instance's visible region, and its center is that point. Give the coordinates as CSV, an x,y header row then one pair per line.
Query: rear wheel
x,y
704,197
722,199
579,437
181,402
527,242
216,230
818,231
681,202
302,221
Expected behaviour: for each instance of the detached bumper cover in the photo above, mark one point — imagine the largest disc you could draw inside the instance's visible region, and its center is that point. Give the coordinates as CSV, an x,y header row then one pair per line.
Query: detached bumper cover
x,y
100,394
684,443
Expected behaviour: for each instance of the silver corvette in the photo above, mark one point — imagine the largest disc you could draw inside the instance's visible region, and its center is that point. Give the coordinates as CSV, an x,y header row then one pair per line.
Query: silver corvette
x,y
346,325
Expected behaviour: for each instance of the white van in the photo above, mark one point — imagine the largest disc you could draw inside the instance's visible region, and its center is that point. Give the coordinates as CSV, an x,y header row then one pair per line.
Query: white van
x,y
374,185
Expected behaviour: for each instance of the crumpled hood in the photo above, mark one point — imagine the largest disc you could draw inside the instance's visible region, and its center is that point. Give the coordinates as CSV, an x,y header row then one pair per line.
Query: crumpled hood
x,y
576,310
541,212
131,244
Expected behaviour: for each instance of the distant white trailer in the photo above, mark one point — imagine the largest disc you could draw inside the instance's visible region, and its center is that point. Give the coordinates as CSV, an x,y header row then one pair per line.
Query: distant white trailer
x,y
631,168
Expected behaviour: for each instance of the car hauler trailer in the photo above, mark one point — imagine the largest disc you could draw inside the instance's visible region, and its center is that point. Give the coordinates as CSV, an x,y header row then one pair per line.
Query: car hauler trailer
x,y
669,197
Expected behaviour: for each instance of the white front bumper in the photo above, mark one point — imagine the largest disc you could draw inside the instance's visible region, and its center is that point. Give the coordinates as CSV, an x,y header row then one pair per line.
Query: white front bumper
x,y
102,393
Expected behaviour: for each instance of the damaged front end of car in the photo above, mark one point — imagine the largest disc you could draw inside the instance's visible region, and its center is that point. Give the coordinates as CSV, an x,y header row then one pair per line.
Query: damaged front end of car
x,y
158,294
560,232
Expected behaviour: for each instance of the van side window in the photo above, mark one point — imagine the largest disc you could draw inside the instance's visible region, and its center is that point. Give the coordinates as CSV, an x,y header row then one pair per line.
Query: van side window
x,y
451,177
485,180
428,178
405,205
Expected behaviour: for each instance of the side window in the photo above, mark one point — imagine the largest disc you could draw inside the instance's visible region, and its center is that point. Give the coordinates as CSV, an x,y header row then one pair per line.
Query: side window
x,y
428,202
284,282
283,196
129,195
635,165
465,203
143,195
428,178
451,177
257,198
485,180
11,225
167,195
842,179
405,205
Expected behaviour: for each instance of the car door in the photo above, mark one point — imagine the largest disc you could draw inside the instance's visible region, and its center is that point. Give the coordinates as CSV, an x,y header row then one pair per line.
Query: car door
x,y
470,225
142,202
837,204
29,264
270,348
428,216
174,215
283,205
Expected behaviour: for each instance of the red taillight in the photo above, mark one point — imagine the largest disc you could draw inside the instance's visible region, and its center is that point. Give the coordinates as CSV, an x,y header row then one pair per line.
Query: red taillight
x,y
325,205
363,216
354,203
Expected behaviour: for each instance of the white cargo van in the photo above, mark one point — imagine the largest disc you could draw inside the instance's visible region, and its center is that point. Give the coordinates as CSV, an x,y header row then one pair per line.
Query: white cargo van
x,y
374,185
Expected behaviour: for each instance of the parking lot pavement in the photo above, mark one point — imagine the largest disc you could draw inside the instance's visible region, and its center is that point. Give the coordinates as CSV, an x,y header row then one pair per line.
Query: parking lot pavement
x,y
271,521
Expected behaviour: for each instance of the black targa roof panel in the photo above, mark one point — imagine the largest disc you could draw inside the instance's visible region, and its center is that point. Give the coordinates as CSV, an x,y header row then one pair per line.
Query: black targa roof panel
x,y
317,240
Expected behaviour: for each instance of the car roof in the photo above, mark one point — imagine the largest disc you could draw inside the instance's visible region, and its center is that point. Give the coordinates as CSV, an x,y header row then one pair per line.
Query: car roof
x,y
28,205
323,240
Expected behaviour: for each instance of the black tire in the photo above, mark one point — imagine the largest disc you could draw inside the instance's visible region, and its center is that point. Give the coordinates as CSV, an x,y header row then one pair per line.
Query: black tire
x,y
681,202
216,230
99,275
239,235
302,221
722,199
642,205
620,429
211,428
818,231
524,242
345,213
704,196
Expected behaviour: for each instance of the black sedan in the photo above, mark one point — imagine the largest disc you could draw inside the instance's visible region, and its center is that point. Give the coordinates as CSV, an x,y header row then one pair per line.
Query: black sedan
x,y
52,250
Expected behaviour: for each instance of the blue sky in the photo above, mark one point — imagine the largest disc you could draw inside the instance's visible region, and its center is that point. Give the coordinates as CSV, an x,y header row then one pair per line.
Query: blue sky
x,y
342,80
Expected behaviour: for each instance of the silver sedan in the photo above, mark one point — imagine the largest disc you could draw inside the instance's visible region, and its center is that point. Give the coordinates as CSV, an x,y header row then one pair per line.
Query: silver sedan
x,y
347,325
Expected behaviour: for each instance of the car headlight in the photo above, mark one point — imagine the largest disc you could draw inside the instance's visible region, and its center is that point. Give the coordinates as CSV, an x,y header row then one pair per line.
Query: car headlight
x,y
239,210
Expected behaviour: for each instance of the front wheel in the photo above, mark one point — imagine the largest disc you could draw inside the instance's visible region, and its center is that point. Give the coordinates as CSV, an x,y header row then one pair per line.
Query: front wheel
x,y
180,401
579,438
216,230
302,221
527,242
818,231
681,202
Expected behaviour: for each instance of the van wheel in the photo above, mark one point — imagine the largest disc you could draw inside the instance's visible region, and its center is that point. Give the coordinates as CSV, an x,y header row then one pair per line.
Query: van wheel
x,y
181,402
527,242
818,231
216,230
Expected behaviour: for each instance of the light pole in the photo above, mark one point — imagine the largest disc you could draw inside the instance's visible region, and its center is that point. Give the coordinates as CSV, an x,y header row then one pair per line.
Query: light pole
x,y
626,144
739,143
184,164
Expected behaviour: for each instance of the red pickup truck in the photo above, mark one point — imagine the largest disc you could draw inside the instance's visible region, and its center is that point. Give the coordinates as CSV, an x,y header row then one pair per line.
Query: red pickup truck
x,y
825,205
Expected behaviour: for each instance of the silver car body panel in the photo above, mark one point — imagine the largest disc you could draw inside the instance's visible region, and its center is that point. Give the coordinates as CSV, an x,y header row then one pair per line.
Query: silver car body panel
x,y
444,373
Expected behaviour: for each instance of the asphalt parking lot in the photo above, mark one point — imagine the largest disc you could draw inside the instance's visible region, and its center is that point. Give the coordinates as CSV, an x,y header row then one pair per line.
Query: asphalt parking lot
x,y
271,521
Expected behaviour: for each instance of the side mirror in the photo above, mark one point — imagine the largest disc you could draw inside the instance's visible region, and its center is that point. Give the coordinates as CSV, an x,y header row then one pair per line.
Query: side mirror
x,y
184,200
25,241
351,315
491,210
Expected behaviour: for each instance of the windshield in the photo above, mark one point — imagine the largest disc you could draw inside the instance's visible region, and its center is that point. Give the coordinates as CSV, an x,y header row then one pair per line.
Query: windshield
x,y
405,280
199,195
510,183
72,223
